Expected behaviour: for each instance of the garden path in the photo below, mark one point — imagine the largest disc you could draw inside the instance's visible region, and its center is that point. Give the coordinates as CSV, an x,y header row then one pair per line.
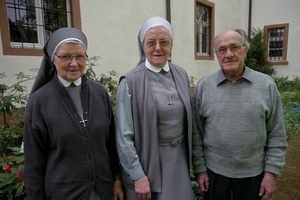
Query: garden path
x,y
288,183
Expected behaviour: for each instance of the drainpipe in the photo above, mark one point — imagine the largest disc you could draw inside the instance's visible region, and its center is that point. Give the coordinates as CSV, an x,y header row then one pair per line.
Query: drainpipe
x,y
250,19
168,10
168,17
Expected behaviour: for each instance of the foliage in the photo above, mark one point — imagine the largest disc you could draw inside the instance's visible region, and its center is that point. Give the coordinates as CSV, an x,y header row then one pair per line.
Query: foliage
x,y
13,96
10,135
108,80
11,176
12,103
256,57
196,189
192,81
290,97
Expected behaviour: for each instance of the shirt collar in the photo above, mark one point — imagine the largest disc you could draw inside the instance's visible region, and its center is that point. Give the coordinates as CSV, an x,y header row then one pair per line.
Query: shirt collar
x,y
246,75
68,83
151,67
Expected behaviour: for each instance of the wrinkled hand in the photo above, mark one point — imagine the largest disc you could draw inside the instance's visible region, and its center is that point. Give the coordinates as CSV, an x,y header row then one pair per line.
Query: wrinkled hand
x,y
267,186
118,191
142,188
203,182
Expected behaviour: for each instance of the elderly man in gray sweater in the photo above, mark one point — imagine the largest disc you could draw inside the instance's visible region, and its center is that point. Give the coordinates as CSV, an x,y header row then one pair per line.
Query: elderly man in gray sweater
x,y
239,143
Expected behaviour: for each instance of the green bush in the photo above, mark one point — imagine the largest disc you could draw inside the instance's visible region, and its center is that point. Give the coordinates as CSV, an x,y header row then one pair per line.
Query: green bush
x,y
109,80
12,102
290,97
11,179
256,57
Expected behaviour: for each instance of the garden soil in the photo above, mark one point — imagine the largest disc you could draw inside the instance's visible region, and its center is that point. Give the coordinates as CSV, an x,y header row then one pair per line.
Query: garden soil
x,y
288,183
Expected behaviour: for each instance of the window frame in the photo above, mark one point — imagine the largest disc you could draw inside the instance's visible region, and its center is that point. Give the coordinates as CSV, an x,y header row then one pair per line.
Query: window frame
x,y
285,26
211,7
8,49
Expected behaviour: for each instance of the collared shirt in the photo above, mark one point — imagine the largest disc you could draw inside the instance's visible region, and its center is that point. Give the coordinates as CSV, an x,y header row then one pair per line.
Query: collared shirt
x,y
246,75
151,67
68,83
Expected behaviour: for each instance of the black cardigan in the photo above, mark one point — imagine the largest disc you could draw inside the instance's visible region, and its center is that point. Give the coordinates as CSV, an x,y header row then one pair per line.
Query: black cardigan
x,y
64,159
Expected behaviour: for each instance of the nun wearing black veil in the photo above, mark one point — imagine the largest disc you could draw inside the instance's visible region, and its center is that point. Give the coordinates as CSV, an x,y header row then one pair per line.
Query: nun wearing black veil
x,y
69,141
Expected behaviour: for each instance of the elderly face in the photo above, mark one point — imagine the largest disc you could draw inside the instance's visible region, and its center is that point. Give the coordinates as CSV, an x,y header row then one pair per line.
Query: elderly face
x,y
70,60
157,45
231,52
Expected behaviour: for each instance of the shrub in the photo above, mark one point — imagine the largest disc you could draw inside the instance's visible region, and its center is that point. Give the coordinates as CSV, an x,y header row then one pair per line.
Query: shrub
x,y
290,97
108,80
12,102
256,57
11,179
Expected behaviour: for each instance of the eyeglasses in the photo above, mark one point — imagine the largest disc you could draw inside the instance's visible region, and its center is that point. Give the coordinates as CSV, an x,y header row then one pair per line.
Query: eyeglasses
x,y
233,48
69,58
162,43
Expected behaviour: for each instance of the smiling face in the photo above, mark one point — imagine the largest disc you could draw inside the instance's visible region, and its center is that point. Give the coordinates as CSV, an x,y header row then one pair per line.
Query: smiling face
x,y
70,70
232,60
157,45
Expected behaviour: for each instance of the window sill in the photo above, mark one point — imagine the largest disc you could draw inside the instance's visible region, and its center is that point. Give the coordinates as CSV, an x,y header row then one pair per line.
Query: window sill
x,y
282,62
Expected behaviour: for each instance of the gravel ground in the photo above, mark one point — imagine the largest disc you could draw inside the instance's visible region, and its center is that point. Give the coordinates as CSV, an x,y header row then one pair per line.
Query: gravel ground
x,y
288,183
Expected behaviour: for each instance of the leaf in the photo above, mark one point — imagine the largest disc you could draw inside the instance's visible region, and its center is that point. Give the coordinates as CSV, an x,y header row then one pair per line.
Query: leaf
x,y
20,190
7,181
14,149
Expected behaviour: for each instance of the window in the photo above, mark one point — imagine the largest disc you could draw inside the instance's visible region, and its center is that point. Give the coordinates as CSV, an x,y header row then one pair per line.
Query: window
x,y
276,39
27,24
204,30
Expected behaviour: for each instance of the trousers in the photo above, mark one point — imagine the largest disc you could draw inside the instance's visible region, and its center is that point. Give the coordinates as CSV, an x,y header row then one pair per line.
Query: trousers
x,y
225,188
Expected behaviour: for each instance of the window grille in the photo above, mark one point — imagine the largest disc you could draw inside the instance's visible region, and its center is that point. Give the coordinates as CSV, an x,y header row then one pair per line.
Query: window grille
x,y
203,30
31,22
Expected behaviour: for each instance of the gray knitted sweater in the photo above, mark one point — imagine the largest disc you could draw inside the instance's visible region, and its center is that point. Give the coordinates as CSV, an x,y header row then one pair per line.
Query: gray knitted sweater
x,y
238,127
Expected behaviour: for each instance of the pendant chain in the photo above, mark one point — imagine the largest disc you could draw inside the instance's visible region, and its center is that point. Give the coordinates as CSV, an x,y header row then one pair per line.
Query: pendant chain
x,y
170,102
77,104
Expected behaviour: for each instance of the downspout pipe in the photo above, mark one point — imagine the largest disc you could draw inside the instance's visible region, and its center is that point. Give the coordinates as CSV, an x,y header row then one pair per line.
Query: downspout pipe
x,y
168,10
250,18
168,16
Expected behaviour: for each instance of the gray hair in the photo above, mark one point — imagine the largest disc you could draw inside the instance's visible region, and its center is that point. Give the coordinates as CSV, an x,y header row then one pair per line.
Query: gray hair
x,y
241,33
244,36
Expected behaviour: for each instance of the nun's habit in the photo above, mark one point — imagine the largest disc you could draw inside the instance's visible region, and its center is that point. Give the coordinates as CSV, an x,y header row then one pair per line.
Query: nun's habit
x,y
154,136
65,158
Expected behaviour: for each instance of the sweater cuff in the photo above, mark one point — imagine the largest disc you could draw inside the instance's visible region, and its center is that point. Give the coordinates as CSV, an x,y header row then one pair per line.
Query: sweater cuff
x,y
272,169
135,173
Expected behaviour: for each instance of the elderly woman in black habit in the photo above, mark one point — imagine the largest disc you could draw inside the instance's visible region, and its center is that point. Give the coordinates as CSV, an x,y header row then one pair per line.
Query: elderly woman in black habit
x,y
69,142
154,120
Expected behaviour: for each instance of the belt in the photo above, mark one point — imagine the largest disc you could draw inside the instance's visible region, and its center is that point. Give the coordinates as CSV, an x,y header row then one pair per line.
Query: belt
x,y
172,142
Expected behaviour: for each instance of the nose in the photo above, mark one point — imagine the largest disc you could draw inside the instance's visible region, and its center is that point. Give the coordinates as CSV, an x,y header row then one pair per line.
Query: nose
x,y
73,59
228,54
157,45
